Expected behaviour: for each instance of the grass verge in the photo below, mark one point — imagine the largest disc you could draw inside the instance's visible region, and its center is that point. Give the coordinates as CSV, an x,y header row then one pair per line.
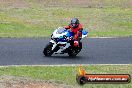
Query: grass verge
x,y
39,18
67,74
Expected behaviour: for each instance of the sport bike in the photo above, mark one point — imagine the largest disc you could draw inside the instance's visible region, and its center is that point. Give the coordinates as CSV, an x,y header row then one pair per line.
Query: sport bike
x,y
62,42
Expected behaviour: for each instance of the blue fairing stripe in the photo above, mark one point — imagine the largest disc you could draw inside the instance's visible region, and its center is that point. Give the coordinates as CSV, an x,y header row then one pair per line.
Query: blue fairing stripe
x,y
69,34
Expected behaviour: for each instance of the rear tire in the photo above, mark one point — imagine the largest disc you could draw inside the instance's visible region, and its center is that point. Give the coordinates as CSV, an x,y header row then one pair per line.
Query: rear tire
x,y
48,50
73,51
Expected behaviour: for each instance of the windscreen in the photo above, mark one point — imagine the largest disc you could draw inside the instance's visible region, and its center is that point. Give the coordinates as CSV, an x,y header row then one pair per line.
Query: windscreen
x,y
61,30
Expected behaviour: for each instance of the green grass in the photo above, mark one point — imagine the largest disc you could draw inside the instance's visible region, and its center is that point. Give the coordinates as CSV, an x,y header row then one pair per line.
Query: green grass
x,y
34,18
67,74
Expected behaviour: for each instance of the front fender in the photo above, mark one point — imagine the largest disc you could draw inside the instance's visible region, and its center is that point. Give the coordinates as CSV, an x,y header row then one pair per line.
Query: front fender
x,y
54,44
52,41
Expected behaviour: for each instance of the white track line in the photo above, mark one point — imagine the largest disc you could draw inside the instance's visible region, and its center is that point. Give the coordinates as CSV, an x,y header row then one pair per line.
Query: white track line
x,y
63,65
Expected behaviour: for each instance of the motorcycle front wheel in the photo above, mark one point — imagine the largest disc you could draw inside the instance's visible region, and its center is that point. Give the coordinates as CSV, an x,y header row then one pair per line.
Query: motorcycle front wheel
x,y
48,50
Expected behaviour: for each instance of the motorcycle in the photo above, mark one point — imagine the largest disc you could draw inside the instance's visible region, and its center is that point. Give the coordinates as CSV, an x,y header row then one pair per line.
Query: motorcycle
x,y
62,42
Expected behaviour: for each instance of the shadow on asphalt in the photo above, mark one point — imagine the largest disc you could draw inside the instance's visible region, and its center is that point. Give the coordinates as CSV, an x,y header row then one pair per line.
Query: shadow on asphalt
x,y
64,57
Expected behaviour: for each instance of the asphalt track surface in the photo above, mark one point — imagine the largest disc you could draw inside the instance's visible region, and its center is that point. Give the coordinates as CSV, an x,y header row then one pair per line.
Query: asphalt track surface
x,y
28,51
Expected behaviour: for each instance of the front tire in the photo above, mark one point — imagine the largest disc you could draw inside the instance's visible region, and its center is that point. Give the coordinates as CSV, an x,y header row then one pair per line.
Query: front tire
x,y
48,50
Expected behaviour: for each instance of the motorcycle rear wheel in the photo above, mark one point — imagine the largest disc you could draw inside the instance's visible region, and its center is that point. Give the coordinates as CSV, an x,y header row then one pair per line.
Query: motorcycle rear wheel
x,y
72,52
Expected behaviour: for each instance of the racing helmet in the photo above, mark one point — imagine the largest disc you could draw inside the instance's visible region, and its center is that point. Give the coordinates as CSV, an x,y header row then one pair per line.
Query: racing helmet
x,y
74,22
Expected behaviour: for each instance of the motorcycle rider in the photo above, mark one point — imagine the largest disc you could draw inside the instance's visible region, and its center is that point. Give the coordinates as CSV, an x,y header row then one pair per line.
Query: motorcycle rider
x,y
76,28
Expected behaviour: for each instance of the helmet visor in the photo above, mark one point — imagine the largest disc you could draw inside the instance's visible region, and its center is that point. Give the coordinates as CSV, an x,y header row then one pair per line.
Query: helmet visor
x,y
73,24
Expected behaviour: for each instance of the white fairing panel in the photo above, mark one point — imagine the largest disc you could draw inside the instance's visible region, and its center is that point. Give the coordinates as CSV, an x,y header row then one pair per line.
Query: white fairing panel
x,y
63,48
84,36
56,34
